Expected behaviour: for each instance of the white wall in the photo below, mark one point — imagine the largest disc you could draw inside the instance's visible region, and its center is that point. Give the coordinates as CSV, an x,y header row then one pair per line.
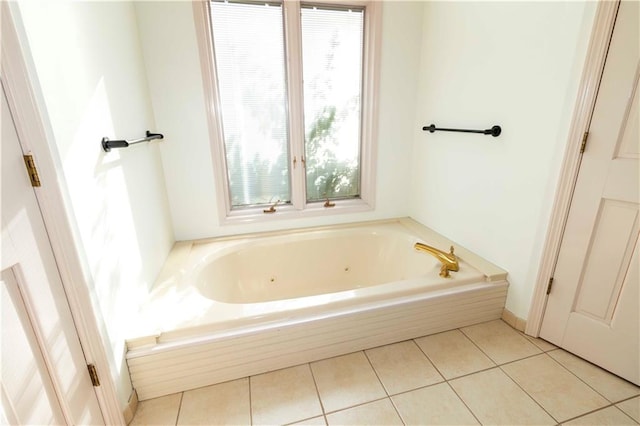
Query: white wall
x,y
170,50
516,64
90,70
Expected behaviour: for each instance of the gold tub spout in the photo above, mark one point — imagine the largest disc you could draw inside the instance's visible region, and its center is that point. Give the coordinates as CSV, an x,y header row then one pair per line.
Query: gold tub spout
x,y
449,260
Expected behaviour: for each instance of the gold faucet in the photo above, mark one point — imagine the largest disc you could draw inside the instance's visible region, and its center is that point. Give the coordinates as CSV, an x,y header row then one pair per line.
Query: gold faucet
x,y
449,260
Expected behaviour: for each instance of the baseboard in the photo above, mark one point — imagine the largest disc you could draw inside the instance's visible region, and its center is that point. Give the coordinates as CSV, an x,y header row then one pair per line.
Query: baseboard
x,y
514,321
132,406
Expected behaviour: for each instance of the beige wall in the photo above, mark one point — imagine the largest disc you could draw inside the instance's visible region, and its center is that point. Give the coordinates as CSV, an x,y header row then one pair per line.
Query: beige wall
x,y
516,64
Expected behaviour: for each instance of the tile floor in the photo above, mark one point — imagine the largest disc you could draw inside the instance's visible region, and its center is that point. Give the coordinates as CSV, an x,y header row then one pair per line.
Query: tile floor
x,y
483,374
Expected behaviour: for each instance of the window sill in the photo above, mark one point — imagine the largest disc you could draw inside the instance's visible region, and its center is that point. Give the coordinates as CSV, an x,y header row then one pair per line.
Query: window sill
x,y
288,212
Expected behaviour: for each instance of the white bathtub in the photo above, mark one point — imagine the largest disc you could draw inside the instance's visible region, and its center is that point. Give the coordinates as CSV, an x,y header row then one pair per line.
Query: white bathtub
x,y
232,307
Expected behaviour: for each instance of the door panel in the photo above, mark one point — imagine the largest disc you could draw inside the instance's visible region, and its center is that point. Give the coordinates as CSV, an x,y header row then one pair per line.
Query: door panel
x,y
28,394
26,248
593,309
608,260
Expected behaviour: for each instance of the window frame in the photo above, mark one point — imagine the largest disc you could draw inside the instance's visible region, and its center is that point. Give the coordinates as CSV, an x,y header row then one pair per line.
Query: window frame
x,y
299,207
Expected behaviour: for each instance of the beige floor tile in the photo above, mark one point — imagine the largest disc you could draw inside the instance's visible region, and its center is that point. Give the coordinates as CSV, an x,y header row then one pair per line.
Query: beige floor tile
x,y
541,343
495,399
631,407
435,405
316,421
608,385
284,396
346,381
402,367
453,354
562,394
500,342
158,411
224,403
610,416
373,413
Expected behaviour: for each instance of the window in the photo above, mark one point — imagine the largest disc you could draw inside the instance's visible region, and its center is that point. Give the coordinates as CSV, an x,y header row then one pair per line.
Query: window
x,y
292,87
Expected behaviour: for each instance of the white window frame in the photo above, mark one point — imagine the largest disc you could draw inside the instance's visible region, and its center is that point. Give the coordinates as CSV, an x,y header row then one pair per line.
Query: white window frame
x,y
299,207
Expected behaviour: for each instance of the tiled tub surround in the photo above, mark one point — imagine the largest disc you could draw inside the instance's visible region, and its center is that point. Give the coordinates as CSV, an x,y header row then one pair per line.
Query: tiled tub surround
x,y
482,374
235,307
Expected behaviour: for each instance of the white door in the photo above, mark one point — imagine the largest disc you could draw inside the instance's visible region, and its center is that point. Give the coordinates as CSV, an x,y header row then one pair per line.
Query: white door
x,y
593,309
44,374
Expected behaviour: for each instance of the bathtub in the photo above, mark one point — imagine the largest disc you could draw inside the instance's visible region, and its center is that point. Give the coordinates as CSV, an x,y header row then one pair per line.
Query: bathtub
x,y
231,307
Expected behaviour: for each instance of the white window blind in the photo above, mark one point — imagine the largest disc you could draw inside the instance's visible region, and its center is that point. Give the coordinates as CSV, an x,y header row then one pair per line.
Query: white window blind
x,y
332,46
249,53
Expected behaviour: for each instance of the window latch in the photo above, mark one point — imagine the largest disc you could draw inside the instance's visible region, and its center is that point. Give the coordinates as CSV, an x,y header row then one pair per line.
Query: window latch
x,y
272,208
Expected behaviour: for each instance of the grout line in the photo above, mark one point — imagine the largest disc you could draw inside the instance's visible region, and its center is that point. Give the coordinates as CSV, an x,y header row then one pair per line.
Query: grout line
x,y
594,365
360,404
478,347
580,379
250,402
533,341
179,408
542,352
464,403
383,386
596,410
447,380
376,373
317,390
303,420
393,404
525,391
520,359
627,399
429,359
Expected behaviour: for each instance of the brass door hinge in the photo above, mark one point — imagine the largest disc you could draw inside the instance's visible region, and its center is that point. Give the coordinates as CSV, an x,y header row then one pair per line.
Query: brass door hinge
x,y
32,170
93,373
550,285
585,136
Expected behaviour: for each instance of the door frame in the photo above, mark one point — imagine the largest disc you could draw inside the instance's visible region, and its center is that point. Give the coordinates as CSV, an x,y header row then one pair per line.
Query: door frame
x,y
36,136
601,33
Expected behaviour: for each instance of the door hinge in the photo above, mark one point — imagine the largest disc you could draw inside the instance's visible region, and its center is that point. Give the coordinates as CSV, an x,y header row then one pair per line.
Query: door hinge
x,y
32,170
93,373
585,136
550,285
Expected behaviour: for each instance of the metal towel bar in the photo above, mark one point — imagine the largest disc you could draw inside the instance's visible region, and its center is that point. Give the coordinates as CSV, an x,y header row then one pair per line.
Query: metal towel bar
x,y
494,131
108,144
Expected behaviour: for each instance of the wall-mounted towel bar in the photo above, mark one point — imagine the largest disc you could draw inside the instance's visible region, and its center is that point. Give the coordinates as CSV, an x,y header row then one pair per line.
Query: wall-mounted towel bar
x,y
108,144
494,131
